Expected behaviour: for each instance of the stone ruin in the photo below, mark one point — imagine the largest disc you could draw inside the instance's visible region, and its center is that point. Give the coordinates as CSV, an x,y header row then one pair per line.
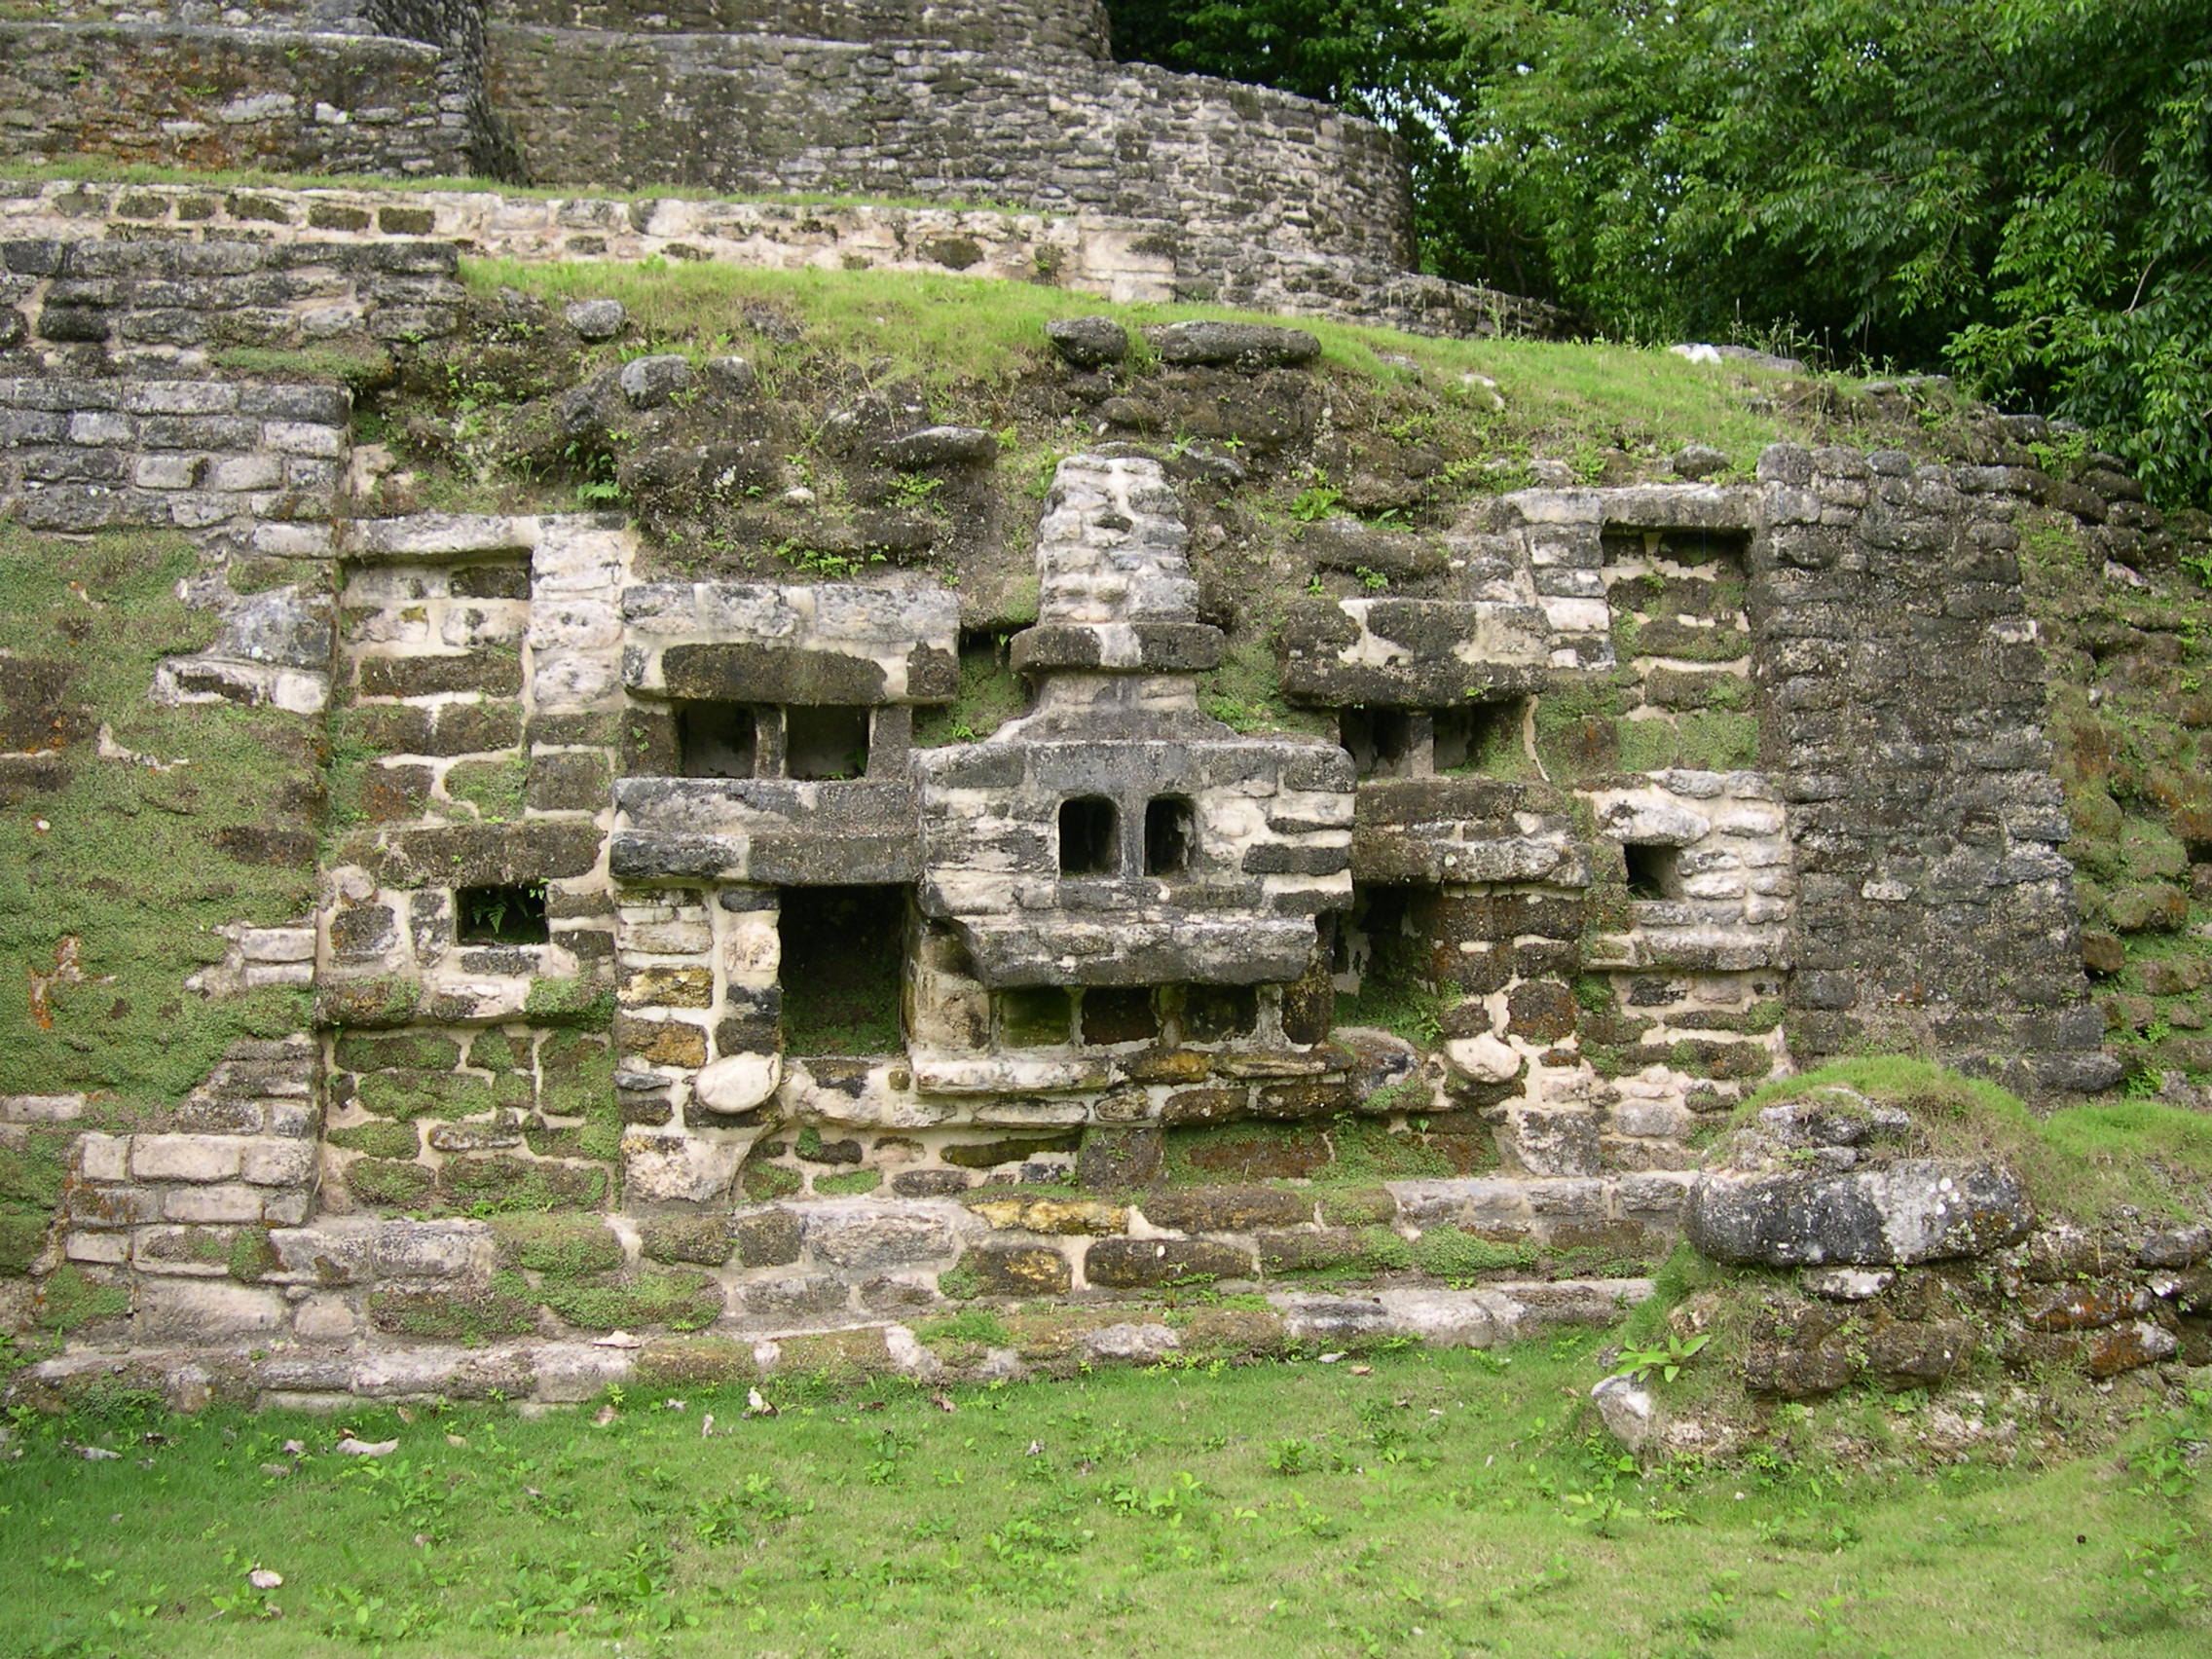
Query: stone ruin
x,y
678,1010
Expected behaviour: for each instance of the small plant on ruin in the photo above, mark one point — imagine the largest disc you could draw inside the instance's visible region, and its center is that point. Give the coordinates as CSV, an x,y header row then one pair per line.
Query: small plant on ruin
x,y
1667,1361
1316,502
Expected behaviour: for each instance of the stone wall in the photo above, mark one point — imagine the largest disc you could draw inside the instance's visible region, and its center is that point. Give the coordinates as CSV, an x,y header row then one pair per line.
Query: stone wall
x,y
216,98
1907,691
1076,27
743,113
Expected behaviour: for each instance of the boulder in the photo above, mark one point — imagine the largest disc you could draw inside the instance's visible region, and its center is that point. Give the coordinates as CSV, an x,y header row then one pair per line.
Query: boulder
x,y
1922,1209
1087,342
596,319
1242,345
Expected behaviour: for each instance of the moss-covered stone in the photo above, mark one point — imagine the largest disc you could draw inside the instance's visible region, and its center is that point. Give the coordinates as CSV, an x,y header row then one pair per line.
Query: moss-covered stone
x,y
251,1256
70,1298
34,1167
564,1246
709,1241
406,1094
379,1139
22,1237
851,1182
503,1182
388,1183
680,1301
765,1182
452,1314
696,1362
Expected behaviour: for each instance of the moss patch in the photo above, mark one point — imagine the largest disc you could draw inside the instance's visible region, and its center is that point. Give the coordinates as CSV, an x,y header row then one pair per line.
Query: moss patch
x,y
114,874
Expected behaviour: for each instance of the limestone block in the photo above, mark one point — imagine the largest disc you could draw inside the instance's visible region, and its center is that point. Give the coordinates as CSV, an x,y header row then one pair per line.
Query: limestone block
x,y
208,1310
680,1169
185,1158
570,1373
227,1202
276,1162
325,1319
875,1237
104,1158
1483,1059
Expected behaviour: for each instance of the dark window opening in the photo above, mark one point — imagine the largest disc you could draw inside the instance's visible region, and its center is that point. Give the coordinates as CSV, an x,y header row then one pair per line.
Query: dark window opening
x,y
843,952
1654,870
1382,961
1037,1016
1216,1014
1171,831
1478,737
716,740
1121,1013
1090,834
499,915
822,741
1381,741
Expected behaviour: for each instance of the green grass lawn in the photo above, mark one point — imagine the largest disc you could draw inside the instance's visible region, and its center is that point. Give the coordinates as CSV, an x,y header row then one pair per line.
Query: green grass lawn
x,y
1435,1504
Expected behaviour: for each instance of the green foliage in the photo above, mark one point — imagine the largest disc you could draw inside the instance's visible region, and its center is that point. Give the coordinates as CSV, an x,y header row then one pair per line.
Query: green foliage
x,y
70,1299
2021,185
1665,1359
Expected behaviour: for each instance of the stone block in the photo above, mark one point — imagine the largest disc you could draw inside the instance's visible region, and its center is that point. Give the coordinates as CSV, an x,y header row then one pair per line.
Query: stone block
x,y
186,1158
1016,1269
223,1204
1144,1264
208,1312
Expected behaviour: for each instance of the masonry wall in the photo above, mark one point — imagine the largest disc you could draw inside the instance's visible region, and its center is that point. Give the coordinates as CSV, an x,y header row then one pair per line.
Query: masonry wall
x,y
1908,691
746,113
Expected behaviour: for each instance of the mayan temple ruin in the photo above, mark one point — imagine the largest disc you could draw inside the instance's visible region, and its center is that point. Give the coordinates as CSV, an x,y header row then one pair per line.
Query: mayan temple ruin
x,y
546,841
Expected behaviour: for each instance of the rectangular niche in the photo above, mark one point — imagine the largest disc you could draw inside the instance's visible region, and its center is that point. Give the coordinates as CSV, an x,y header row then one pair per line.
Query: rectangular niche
x,y
1654,870
1170,835
1483,738
1034,1016
500,915
825,741
1091,837
1381,962
1382,743
844,953
718,740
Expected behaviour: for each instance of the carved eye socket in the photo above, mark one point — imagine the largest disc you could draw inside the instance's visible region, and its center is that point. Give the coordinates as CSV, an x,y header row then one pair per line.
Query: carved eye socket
x,y
1170,832
1090,834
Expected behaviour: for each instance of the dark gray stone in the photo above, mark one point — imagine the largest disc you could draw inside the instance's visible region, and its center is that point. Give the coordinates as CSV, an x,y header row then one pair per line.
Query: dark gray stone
x,y
1087,342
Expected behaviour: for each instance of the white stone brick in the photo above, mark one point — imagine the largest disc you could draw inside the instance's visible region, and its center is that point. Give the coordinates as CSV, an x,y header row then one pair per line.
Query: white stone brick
x,y
108,1248
212,1204
274,1163
40,1108
256,974
247,472
166,471
98,427
202,1310
1652,1119
104,1158
277,944
184,1157
324,1318
301,438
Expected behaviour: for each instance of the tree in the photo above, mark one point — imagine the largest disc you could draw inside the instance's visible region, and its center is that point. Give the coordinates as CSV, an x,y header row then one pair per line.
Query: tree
x,y
2019,189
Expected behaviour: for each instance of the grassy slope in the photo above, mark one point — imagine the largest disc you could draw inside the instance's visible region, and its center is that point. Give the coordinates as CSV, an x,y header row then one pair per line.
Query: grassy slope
x,y
1442,1505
